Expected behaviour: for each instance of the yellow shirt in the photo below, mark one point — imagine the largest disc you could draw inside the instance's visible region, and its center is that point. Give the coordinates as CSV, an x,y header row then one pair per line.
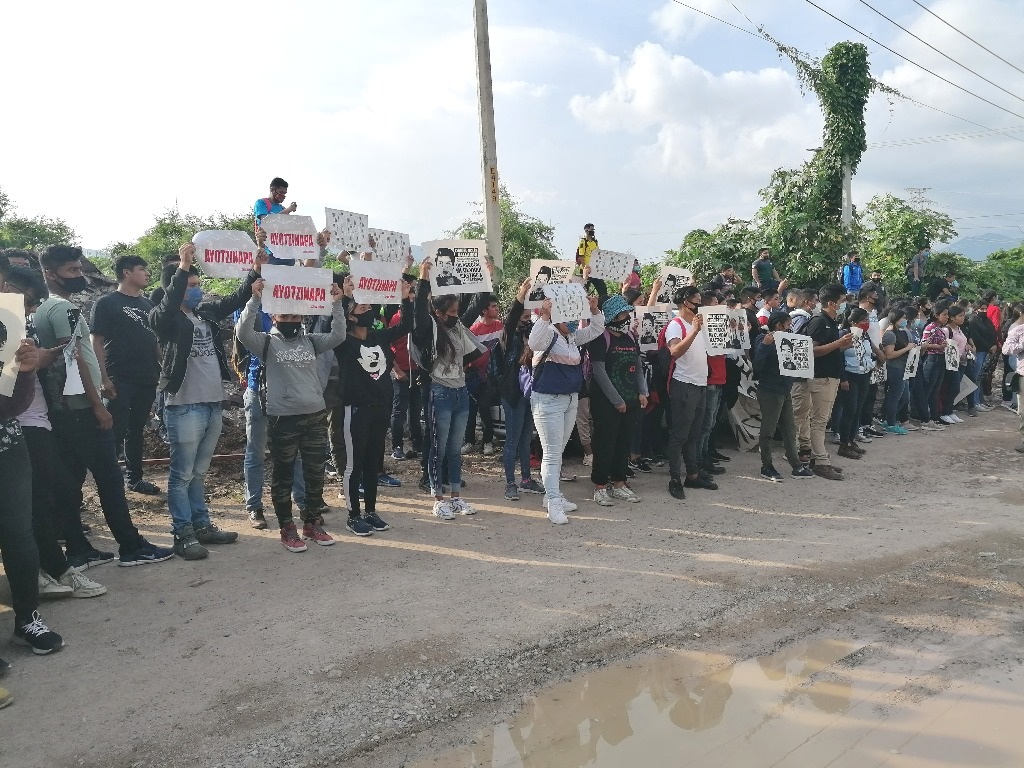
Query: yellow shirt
x,y
585,251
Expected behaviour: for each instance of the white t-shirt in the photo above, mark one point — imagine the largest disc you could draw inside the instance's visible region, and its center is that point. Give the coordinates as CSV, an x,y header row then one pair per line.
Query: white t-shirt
x,y
36,414
692,365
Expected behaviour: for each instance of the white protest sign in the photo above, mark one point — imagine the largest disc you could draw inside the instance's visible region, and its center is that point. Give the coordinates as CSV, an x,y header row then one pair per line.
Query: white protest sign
x,y
568,302
349,231
740,326
460,266
672,278
716,329
12,331
296,290
952,356
796,354
650,321
376,282
546,272
966,388
291,237
610,265
225,252
390,246
913,359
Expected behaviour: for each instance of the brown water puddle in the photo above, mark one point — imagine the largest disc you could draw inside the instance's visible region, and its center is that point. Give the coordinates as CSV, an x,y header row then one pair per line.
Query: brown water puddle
x,y
797,708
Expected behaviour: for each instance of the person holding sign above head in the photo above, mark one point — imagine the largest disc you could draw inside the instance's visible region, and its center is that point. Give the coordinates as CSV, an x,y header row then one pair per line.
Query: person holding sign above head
x,y
273,204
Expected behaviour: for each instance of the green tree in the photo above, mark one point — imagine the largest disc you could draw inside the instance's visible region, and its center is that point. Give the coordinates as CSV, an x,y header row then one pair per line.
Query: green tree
x,y
703,252
32,233
894,231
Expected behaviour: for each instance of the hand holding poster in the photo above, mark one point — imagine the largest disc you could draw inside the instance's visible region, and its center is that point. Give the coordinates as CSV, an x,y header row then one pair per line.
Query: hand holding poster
x,y
796,354
651,321
291,237
568,302
376,282
348,230
389,246
546,272
12,331
716,328
225,252
296,290
672,278
610,265
460,266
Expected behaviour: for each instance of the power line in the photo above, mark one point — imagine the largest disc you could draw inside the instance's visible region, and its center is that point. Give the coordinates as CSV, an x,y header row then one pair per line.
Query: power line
x,y
960,32
909,61
705,13
993,132
946,55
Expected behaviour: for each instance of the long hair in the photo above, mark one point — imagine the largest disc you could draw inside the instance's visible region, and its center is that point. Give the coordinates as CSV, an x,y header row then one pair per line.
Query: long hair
x,y
445,348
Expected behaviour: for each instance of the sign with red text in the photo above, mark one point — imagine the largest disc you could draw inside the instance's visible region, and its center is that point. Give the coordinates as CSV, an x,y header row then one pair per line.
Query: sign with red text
x,y
224,252
291,237
376,282
296,290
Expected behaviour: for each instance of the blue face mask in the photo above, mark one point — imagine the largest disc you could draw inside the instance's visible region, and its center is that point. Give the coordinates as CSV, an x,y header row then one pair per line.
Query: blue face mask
x,y
193,296
901,324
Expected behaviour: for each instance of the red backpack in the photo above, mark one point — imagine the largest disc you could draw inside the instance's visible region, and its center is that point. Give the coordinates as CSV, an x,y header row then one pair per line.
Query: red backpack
x,y
668,363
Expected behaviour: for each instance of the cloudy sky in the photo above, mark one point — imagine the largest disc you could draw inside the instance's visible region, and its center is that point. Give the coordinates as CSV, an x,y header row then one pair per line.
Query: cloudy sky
x,y
642,116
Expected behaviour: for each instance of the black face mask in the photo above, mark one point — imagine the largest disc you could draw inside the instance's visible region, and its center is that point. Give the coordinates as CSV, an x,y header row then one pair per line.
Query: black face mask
x,y
289,330
450,322
692,307
365,320
620,325
74,284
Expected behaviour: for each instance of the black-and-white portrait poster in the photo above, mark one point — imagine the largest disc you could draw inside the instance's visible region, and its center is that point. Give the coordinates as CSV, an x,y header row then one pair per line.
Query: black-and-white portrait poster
x,y
748,384
12,331
716,329
349,231
611,265
568,302
649,323
392,247
672,278
952,356
459,266
546,272
913,360
796,354
742,327
879,374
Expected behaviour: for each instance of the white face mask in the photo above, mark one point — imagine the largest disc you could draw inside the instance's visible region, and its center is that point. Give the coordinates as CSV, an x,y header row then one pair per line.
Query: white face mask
x,y
817,310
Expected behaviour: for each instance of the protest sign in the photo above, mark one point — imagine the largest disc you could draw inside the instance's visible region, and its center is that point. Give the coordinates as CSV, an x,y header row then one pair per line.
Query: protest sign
x,y
224,252
913,359
671,279
296,290
952,356
966,388
389,246
740,327
568,302
460,266
290,236
12,331
349,231
610,265
650,321
376,282
716,327
796,354
546,272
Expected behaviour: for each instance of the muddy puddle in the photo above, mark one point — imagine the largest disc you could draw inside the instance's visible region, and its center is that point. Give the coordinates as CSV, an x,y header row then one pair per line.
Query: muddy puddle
x,y
823,702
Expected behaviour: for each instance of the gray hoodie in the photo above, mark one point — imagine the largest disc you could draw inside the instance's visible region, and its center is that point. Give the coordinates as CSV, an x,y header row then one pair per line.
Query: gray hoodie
x,y
293,380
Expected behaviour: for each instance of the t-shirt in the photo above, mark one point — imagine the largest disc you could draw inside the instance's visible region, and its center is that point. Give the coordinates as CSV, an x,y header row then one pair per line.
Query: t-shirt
x,y
202,382
692,365
128,341
935,290
487,333
261,209
366,366
764,270
621,356
935,334
716,370
898,339
35,414
451,372
58,318
824,330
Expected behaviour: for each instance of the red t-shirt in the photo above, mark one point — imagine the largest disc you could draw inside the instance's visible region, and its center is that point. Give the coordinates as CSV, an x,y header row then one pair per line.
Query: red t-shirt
x,y
995,316
487,333
400,347
716,369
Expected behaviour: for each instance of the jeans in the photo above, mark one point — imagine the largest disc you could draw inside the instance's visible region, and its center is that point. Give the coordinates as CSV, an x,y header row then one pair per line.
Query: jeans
x,y
518,433
554,417
406,402
291,438
712,402
17,545
852,399
365,432
980,358
254,463
777,413
934,370
897,393
193,431
449,409
688,406
46,473
613,435
130,411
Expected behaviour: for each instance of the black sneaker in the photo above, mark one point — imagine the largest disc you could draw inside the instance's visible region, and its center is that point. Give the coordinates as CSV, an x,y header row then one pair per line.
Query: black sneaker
x,y
144,487
713,469
330,470
802,472
146,553
359,527
187,546
375,522
38,636
770,473
629,472
675,489
90,558
412,454
642,465
701,481
872,432
211,534
257,520
716,456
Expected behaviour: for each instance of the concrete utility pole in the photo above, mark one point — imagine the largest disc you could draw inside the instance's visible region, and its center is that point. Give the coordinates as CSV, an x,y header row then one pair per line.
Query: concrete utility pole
x,y
847,196
488,145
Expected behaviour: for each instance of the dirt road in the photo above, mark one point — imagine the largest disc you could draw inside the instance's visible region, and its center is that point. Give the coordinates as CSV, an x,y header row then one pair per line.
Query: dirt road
x,y
396,649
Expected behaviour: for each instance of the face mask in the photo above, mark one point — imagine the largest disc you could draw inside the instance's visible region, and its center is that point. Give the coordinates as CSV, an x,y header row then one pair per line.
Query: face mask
x,y
450,322
74,284
365,320
902,324
289,329
816,311
193,296
619,325
842,307
864,326
691,306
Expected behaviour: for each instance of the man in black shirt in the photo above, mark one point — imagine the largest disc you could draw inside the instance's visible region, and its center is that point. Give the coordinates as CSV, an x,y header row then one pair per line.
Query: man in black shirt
x,y
726,278
126,350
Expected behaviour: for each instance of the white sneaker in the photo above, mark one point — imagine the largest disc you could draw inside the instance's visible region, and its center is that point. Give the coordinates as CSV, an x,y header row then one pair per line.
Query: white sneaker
x,y
50,587
81,584
956,419
625,493
946,419
601,497
467,448
443,509
556,514
567,506
588,460
488,449
459,507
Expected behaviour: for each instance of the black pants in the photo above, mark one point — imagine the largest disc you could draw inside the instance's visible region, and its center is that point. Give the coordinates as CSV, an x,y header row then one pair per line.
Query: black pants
x,y
336,431
688,401
131,409
407,402
481,403
17,544
289,437
867,411
611,439
46,473
851,400
83,447
365,432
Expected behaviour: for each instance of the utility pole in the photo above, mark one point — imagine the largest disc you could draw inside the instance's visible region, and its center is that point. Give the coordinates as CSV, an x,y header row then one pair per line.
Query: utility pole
x,y
847,197
488,144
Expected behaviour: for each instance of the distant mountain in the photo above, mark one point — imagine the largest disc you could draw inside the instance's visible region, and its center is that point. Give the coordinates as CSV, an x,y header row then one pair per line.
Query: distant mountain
x,y
977,247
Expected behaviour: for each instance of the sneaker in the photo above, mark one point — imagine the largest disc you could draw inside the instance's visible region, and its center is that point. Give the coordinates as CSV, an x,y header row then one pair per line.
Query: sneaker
x,y
81,585
713,469
387,481
947,420
588,460
872,431
144,487
717,456
38,636
567,506
314,532
375,521
625,493
398,454
675,489
895,429
90,558
146,554
643,465
511,492
700,481
984,407
972,411
187,546
443,510
50,587
835,439
556,513
911,426
862,437
602,497
424,484
330,470
467,448
211,534
290,538
956,419
412,454
848,453
770,473
931,426
460,507
564,477
531,486
358,526
257,520
802,472
488,449
827,472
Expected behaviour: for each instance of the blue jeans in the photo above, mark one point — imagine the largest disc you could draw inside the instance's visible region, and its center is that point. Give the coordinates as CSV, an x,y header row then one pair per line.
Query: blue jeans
x,y
518,433
193,431
256,455
980,358
449,410
934,370
712,402
554,416
897,394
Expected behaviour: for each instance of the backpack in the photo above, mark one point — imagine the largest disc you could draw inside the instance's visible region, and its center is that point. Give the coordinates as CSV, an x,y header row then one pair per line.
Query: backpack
x,y
665,359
